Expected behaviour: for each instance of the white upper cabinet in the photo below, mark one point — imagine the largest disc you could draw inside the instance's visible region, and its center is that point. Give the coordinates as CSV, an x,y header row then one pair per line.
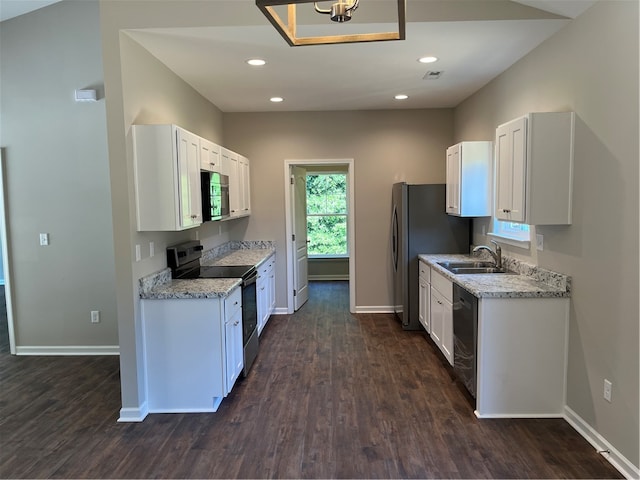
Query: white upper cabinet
x,y
245,189
469,168
230,159
237,168
534,169
167,178
209,156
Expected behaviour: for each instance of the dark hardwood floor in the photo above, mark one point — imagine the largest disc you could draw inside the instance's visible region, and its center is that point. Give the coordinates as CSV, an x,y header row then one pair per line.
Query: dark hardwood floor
x,y
331,395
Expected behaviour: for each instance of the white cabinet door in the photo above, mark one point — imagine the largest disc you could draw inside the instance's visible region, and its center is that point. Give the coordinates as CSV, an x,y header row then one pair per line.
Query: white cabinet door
x,y
262,301
424,295
190,194
245,188
235,188
511,157
441,314
209,156
437,317
271,285
423,301
234,353
453,179
447,331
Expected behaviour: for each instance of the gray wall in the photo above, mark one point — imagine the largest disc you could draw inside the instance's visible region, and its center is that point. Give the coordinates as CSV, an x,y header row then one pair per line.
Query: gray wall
x,y
387,146
57,172
595,75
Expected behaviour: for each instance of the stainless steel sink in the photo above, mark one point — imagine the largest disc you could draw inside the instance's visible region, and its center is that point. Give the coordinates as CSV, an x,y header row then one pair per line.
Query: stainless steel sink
x,y
478,264
470,268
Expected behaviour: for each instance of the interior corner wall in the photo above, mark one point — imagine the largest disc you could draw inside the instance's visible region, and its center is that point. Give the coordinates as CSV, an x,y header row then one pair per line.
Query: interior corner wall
x,y
57,173
595,75
140,89
387,146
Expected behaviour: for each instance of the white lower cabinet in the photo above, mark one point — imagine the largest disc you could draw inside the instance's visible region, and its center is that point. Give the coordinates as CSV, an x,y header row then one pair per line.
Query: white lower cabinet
x,y
424,295
265,292
522,357
441,314
192,352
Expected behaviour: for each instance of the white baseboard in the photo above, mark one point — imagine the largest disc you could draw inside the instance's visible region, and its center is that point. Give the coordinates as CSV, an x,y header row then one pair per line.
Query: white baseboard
x,y
328,278
518,415
69,350
374,309
615,458
133,414
280,311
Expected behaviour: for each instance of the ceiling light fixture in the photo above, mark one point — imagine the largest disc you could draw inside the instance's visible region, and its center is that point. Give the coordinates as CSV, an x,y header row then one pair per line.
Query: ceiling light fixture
x,y
340,12
428,59
401,97
256,62
276,99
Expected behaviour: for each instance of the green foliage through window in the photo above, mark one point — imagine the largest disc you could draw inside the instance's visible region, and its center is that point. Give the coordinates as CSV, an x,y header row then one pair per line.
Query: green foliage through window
x,y
327,214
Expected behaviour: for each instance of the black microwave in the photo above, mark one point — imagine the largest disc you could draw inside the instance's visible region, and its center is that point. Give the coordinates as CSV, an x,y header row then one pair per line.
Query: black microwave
x,y
215,196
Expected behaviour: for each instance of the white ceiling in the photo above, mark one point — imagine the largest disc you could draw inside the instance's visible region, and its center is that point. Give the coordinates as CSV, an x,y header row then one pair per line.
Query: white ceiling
x,y
475,41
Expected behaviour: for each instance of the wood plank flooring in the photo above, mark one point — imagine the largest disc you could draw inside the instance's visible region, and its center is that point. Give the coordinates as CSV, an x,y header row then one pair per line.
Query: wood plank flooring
x,y
331,395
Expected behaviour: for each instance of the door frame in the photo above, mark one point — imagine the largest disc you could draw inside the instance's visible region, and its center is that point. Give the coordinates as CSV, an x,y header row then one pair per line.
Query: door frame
x,y
8,292
288,202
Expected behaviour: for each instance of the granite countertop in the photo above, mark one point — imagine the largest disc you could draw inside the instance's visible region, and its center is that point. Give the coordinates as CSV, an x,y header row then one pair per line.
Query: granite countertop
x,y
161,286
529,282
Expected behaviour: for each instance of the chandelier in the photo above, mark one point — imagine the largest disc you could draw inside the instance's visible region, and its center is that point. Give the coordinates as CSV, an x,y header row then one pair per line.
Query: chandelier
x,y
340,12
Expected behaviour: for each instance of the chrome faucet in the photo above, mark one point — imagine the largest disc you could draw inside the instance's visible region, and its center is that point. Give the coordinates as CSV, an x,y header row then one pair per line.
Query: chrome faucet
x,y
497,255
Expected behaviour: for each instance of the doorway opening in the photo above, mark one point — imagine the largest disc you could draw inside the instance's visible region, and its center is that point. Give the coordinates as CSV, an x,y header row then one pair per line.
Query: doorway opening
x,y
325,223
7,332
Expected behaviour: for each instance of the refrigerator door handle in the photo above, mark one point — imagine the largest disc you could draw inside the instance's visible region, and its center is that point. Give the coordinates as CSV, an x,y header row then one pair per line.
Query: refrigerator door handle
x,y
394,239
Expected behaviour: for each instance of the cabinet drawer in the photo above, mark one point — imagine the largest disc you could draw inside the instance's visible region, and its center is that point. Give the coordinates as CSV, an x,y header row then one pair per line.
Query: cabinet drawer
x,y
442,284
424,272
232,303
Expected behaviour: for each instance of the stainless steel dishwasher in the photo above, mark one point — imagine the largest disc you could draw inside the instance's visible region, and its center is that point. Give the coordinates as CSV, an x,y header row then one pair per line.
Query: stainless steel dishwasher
x,y
465,337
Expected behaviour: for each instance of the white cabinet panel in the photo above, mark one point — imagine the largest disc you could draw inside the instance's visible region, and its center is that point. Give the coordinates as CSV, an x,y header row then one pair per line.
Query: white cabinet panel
x,y
209,156
469,169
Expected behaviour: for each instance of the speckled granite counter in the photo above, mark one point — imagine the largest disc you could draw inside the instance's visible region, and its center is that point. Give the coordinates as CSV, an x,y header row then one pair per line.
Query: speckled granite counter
x,y
530,282
161,286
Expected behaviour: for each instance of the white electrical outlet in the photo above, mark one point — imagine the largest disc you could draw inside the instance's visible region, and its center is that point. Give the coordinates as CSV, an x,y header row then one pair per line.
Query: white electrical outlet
x,y
95,316
539,241
607,390
152,249
138,253
44,239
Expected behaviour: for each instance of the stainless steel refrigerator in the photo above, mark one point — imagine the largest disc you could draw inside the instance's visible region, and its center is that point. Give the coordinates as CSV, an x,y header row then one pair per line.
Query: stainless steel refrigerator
x,y
419,225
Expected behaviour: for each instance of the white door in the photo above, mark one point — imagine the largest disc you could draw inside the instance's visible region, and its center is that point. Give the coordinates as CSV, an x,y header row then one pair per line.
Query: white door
x,y
299,195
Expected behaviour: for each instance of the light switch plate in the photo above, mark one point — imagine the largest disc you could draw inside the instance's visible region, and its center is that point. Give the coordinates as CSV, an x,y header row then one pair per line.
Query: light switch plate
x,y
539,241
44,239
138,253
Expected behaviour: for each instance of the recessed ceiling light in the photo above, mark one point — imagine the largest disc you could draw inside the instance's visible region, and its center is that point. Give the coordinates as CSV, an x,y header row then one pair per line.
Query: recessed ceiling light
x,y
256,62
428,59
276,99
401,97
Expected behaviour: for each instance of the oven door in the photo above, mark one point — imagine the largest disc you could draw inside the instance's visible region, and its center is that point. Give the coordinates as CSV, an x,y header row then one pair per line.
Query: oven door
x,y
249,307
249,322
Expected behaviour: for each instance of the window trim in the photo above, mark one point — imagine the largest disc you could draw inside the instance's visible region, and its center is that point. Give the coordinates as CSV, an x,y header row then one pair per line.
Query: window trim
x,y
345,215
504,237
